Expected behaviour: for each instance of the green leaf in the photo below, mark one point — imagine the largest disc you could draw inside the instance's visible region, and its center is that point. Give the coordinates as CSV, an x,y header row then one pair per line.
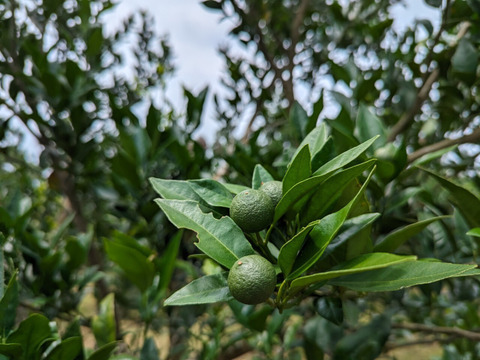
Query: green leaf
x,y
474,232
8,305
205,290
94,42
298,170
220,239
137,266
251,316
463,199
168,260
368,125
212,192
235,189
68,349
103,324
174,189
330,309
349,229
324,154
299,120
104,352
290,249
465,59
31,333
396,238
404,275
345,158
260,176
149,350
358,264
322,234
13,351
330,191
315,139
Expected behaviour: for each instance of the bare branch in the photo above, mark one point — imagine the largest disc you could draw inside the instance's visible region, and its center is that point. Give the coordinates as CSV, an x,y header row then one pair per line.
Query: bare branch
x,y
473,138
408,117
467,334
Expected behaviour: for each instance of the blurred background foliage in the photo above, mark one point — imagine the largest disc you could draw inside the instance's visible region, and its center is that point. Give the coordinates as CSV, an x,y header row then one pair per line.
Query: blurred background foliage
x,y
87,259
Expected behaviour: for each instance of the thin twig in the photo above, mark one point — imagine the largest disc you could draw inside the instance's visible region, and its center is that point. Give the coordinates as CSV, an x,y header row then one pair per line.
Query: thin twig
x,y
473,138
438,339
467,334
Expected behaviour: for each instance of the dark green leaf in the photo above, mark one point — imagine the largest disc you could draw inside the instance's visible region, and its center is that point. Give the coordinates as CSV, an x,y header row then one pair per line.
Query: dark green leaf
x,y
169,259
103,324
369,125
396,238
345,158
464,200
434,3
365,262
149,350
299,120
260,176
13,351
8,304
221,239
104,352
322,234
298,170
205,290
289,251
212,4
330,191
31,333
137,266
68,349
465,59
404,275
330,309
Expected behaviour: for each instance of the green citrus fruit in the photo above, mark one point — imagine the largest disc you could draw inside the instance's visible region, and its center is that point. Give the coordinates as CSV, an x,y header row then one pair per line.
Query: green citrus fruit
x,y
274,190
252,210
252,279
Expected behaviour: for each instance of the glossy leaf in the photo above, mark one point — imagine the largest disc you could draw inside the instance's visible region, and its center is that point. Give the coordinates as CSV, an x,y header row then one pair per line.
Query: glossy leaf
x,y
396,238
359,264
474,232
298,170
68,349
12,350
404,275
289,250
322,234
330,309
330,190
221,239
31,333
315,139
260,176
345,158
205,290
464,200
212,192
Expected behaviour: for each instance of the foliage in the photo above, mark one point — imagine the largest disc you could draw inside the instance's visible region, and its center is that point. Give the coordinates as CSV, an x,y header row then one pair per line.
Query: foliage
x,y
85,121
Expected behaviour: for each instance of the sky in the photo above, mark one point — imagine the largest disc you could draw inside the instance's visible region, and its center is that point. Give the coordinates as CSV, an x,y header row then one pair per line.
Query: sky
x,y
196,33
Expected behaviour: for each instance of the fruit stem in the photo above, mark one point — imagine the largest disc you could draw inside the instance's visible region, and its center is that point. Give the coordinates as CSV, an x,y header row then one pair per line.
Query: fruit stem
x,y
267,237
264,248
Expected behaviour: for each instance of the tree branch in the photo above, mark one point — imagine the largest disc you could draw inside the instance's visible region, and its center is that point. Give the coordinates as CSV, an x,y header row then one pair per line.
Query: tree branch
x,y
408,117
473,138
467,334
439,339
